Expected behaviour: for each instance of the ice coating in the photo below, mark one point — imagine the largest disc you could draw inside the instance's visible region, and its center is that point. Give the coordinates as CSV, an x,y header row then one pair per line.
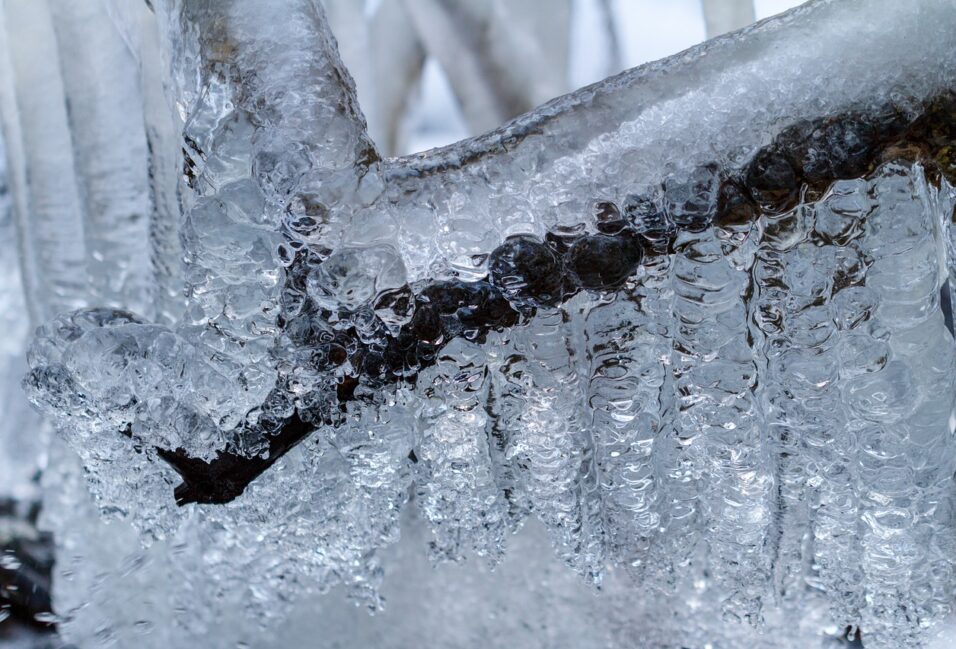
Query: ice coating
x,y
241,161
249,143
691,325
695,108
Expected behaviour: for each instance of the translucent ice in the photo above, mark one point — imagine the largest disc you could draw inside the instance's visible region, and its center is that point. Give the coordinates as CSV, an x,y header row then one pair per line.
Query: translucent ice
x,y
696,320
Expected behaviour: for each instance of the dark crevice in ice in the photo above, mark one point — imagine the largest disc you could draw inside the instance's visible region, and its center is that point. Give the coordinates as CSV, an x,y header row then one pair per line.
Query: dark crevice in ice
x,y
224,478
946,306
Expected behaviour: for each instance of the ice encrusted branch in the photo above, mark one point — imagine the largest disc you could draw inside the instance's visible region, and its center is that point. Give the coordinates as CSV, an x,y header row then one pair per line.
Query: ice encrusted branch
x,y
468,316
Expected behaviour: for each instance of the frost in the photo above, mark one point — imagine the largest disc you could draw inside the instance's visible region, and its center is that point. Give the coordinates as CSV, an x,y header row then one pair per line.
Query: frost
x,y
691,326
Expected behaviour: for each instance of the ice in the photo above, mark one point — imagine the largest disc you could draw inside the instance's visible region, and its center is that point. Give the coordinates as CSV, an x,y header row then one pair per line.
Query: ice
x,y
549,441
40,164
690,327
459,494
103,96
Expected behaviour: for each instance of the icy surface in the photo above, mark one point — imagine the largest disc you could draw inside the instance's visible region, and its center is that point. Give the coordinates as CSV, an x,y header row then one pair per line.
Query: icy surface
x,y
691,326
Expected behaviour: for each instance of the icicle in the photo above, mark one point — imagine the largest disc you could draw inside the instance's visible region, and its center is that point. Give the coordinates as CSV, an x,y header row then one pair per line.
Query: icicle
x,y
12,305
788,283
376,443
825,341
551,444
105,106
625,379
943,200
903,412
41,163
22,433
163,136
721,477
458,491
505,405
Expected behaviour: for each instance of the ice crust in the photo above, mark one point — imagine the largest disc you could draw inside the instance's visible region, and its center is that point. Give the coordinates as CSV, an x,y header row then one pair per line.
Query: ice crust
x,y
691,326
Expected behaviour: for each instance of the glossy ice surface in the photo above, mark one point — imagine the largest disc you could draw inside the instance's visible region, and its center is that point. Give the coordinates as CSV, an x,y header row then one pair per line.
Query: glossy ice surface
x,y
689,329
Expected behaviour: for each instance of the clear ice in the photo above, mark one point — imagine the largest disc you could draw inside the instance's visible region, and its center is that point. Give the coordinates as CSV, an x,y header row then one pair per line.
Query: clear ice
x,y
691,327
